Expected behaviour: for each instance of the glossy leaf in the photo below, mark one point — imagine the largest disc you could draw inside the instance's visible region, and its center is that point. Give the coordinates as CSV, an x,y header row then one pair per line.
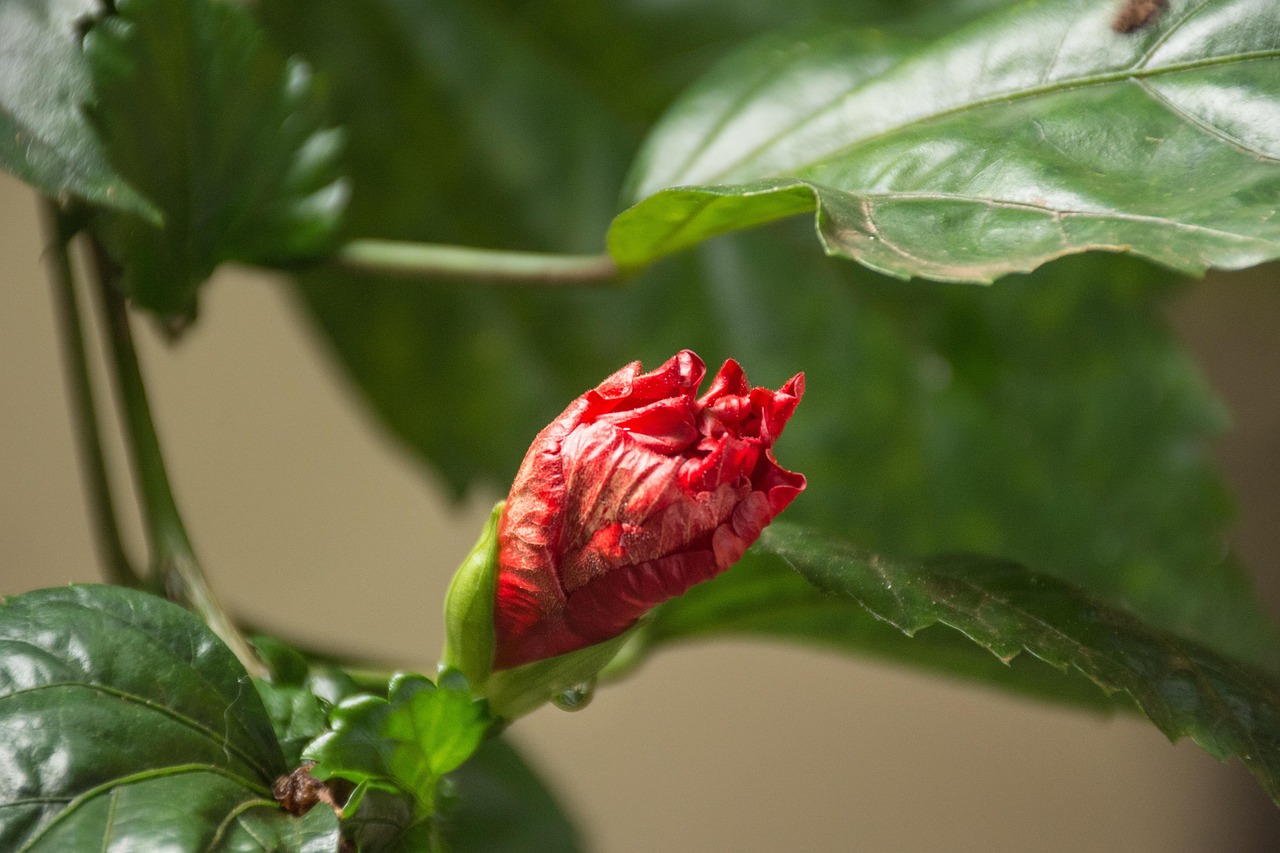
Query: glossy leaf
x,y
125,724
1034,133
44,85
227,137
499,804
1227,707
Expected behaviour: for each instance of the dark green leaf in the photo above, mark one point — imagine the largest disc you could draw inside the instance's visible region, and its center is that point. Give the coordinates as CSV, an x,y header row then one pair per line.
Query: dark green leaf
x,y
1032,134
44,83
499,805
228,138
407,741
1186,689
126,724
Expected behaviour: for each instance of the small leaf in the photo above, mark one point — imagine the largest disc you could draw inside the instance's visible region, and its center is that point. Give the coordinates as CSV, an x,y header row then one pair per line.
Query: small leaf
x,y
1227,707
44,82
1034,133
126,724
407,741
228,138
499,804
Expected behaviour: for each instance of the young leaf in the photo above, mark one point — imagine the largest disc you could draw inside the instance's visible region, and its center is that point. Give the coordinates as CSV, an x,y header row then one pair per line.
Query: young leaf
x,y
406,742
228,139
126,724
1227,707
44,83
1034,133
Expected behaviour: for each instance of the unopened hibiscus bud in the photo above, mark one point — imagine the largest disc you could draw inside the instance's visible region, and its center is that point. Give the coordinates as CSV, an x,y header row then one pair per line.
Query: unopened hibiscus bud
x,y
638,491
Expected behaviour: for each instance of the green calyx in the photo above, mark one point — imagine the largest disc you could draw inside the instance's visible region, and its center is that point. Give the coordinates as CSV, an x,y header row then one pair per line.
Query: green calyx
x,y
469,642
468,608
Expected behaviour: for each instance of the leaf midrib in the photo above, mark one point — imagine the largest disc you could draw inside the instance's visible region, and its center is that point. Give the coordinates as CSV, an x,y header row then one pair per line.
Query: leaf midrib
x,y
1133,72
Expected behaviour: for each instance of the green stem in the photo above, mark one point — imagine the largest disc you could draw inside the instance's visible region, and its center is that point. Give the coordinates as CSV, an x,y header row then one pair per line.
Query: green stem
x,y
428,260
174,560
93,461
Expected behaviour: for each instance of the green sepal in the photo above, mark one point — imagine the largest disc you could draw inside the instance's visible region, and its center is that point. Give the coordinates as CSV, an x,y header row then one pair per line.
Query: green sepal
x,y
468,608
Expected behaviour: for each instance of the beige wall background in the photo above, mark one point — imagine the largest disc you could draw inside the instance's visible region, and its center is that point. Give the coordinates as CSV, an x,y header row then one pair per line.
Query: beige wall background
x,y
291,490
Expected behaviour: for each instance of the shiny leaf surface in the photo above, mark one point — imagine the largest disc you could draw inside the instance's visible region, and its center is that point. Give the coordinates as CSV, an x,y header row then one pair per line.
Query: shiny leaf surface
x,y
44,85
1034,133
226,136
125,724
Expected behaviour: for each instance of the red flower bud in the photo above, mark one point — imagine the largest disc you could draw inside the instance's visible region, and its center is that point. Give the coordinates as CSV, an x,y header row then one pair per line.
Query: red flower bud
x,y
638,491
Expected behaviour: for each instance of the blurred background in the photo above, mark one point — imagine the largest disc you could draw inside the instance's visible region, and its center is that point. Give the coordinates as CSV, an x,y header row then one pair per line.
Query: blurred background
x,y
290,488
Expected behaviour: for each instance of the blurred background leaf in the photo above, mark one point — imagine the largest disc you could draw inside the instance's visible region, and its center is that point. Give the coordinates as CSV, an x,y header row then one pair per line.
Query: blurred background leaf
x,y
44,84
1051,419
498,803
199,111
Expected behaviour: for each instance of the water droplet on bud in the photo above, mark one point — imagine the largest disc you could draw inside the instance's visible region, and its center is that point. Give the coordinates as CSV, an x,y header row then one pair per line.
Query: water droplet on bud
x,y
576,697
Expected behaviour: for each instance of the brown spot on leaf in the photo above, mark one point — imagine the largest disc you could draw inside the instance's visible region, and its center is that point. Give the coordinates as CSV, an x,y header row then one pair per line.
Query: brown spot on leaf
x,y
1136,14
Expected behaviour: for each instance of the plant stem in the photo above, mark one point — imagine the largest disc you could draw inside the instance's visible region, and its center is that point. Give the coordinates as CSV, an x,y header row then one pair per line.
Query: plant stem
x,y
429,260
173,559
84,411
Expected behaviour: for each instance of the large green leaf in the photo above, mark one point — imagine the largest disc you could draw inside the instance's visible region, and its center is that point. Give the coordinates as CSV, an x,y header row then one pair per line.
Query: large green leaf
x,y
1034,133
225,135
500,805
44,84
1053,420
1227,707
125,724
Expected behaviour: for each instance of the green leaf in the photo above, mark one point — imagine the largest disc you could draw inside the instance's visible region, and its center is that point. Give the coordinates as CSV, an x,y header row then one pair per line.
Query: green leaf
x,y
1034,133
407,741
44,83
1185,689
498,804
126,724
763,597
228,138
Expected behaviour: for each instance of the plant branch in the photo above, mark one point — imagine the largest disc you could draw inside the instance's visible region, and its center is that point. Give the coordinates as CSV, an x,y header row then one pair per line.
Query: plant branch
x,y
84,411
173,560
427,260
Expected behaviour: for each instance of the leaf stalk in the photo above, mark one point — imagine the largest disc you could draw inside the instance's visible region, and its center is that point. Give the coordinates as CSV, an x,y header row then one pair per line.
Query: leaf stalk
x,y
429,260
